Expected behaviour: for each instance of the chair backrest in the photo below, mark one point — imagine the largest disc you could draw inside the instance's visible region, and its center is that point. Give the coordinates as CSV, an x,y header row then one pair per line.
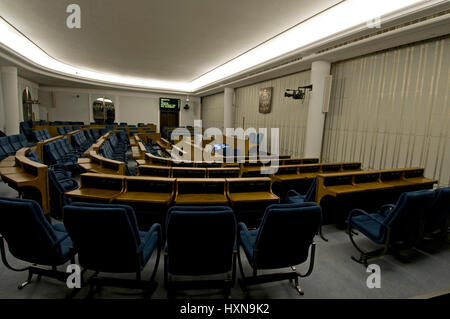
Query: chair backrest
x,y
4,143
3,154
106,236
89,136
311,193
23,141
15,142
95,133
200,240
406,218
36,136
285,235
33,155
29,235
436,216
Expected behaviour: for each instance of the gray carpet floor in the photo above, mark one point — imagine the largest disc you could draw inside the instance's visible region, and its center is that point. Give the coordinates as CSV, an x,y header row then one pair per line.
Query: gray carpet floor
x,y
423,271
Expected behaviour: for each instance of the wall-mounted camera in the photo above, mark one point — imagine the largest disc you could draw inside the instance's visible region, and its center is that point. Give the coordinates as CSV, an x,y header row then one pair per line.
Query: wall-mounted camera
x,y
186,107
298,94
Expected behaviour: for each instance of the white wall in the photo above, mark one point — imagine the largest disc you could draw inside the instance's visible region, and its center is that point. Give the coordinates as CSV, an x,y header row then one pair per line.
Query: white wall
x,y
212,111
70,107
69,104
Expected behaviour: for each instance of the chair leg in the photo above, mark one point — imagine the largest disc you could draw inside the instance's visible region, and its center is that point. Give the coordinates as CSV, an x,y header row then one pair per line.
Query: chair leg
x,y
155,268
321,233
297,286
365,256
242,281
26,283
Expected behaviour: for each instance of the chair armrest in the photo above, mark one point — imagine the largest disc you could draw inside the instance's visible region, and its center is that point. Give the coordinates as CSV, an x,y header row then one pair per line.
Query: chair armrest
x,y
242,227
385,208
292,193
350,215
156,228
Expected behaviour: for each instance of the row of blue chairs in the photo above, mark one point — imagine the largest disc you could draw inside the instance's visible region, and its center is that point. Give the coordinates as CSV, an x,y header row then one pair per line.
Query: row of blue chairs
x,y
9,145
402,225
114,149
63,130
60,181
60,153
200,241
80,142
41,135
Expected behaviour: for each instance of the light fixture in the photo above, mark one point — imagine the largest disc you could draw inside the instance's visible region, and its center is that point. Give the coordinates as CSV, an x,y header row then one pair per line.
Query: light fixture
x,y
342,17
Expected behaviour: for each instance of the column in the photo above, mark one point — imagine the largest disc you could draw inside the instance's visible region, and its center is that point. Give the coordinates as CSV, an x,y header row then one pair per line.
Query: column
x,y
10,99
316,118
228,109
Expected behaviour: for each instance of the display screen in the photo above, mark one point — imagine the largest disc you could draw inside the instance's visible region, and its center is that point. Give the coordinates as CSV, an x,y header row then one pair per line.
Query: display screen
x,y
169,104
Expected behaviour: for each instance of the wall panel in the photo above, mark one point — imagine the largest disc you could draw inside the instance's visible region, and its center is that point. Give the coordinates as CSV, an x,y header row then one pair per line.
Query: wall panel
x,y
212,111
287,114
392,109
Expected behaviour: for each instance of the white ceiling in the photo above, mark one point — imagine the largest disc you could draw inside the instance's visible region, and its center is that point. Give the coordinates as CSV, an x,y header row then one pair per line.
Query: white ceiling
x,y
173,40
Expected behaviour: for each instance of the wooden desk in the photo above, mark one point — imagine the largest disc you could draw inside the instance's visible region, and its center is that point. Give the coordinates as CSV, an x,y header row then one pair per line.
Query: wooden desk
x,y
223,172
367,181
188,172
8,162
151,190
200,191
250,190
156,160
98,187
152,170
27,173
299,177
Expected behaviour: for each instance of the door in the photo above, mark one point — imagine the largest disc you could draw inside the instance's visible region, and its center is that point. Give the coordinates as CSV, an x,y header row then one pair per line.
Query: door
x,y
169,119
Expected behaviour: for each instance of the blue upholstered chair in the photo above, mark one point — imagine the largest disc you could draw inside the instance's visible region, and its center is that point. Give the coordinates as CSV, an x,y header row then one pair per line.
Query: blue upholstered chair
x,y
33,239
15,142
6,146
396,227
200,242
438,217
23,140
61,130
58,185
108,240
294,197
282,240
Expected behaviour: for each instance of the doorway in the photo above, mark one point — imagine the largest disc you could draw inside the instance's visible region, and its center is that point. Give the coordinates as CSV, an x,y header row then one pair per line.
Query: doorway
x,y
168,119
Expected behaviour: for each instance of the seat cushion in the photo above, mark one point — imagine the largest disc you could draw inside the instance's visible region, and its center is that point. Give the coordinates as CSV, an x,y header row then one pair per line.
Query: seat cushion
x,y
369,227
248,239
295,199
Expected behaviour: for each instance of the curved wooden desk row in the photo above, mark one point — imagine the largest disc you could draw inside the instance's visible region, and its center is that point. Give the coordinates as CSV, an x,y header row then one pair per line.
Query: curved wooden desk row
x,y
278,173
339,184
96,163
53,129
249,163
20,172
188,172
287,173
171,191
